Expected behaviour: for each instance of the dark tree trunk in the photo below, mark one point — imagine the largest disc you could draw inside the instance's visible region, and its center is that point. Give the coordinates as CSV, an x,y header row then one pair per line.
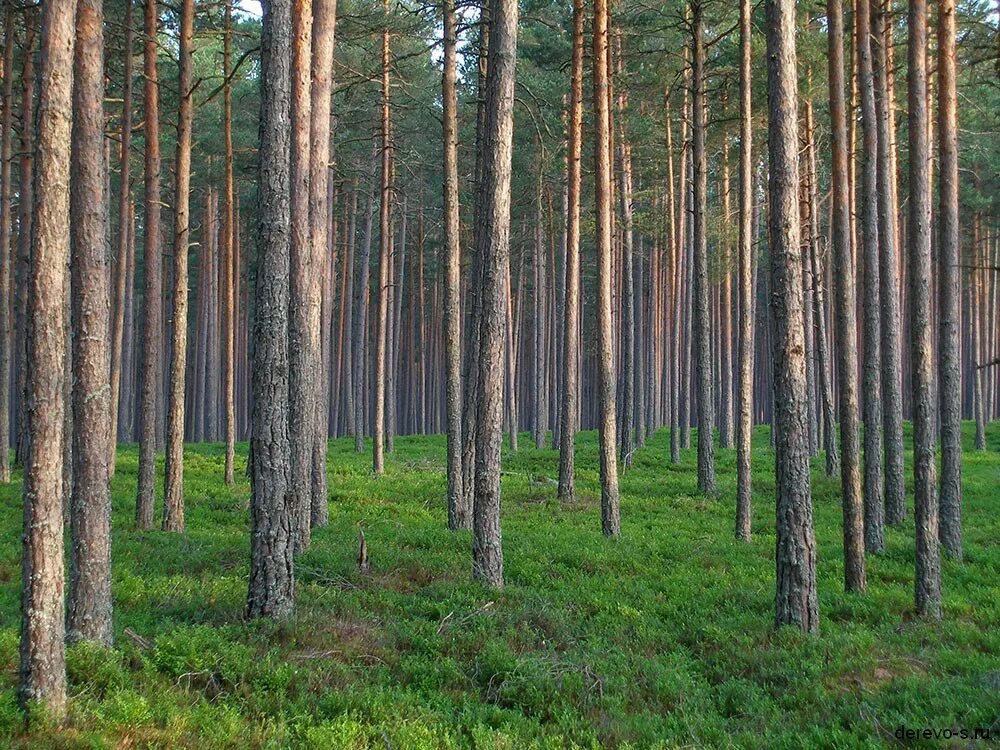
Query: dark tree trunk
x,y
272,504
796,598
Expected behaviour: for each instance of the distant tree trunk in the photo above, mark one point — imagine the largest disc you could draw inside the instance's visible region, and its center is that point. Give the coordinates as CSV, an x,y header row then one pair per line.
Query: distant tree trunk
x,y
950,282
152,319
796,599
726,316
361,322
173,510
90,561
744,390
824,384
702,322
324,28
459,511
385,240
928,568
872,389
540,396
273,513
610,512
571,309
126,414
303,336
846,329
348,304
43,655
676,219
892,389
121,267
6,134
510,344
494,253
229,260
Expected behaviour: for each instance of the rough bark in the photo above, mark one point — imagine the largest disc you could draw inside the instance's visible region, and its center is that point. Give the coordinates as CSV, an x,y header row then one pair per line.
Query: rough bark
x,y
272,504
43,653
950,286
89,616
796,598
494,253
303,337
928,563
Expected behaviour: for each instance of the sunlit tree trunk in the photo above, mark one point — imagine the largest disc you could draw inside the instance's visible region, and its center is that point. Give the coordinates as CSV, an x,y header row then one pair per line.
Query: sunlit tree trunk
x,y
230,263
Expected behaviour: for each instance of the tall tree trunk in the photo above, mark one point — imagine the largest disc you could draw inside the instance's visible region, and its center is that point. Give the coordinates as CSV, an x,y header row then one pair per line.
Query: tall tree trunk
x,y
152,319
43,653
229,260
303,336
744,390
494,253
610,500
121,267
892,367
702,321
272,505
726,316
6,133
360,345
950,283
846,329
459,511
90,561
540,395
571,308
796,599
323,30
872,390
173,510
928,564
385,240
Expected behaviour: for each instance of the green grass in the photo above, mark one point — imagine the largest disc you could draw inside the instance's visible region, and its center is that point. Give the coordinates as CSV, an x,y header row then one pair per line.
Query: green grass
x,y
661,638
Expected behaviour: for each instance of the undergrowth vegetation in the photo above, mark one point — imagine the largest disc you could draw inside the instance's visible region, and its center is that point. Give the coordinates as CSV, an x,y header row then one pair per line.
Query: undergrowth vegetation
x,y
661,638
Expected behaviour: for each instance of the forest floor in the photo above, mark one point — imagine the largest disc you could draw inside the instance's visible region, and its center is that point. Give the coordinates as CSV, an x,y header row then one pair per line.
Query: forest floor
x,y
661,638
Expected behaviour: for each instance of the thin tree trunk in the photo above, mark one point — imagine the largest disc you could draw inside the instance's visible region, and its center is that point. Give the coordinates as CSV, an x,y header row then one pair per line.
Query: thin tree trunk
x,y
320,229
571,309
796,598
303,336
744,390
173,510
610,512
459,511
43,653
121,268
950,284
6,133
229,260
272,507
928,564
385,239
726,316
702,322
152,320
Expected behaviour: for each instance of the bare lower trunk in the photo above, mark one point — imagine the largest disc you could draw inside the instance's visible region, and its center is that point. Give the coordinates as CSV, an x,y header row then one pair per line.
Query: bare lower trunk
x,y
925,516
152,319
43,655
385,239
6,133
272,505
571,309
610,513
90,562
950,284
494,253
230,264
796,599
173,510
